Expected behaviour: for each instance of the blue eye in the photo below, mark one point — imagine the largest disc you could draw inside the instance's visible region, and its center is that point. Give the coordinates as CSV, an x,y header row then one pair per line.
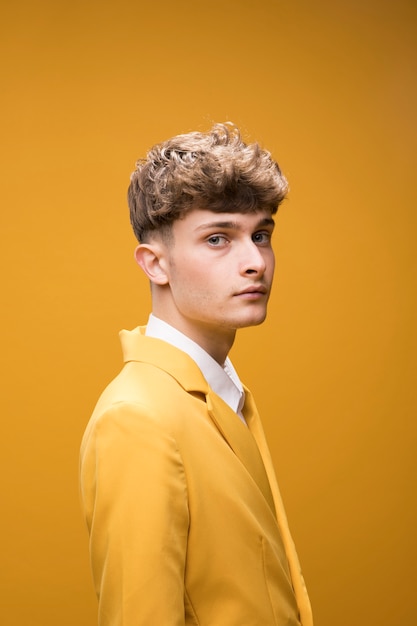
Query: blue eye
x,y
263,237
216,240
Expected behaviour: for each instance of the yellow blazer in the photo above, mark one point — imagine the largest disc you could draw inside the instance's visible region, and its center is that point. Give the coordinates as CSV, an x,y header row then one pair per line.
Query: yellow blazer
x,y
185,518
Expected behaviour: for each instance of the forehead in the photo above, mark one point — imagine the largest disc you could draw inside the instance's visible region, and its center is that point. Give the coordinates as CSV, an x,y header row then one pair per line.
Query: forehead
x,y
201,220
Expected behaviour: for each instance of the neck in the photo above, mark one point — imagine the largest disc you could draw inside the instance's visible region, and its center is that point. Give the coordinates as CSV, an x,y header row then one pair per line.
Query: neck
x,y
217,342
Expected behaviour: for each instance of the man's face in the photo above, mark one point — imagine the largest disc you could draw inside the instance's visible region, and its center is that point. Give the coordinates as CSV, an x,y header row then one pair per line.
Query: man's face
x,y
220,268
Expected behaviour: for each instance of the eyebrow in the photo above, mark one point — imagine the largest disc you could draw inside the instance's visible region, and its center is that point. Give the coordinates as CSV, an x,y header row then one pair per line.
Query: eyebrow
x,y
230,225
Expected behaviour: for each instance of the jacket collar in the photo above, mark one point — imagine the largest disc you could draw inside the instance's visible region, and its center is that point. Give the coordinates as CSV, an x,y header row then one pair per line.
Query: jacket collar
x,y
137,347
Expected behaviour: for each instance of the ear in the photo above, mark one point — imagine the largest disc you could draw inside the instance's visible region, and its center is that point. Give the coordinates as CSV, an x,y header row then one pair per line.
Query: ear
x,y
150,257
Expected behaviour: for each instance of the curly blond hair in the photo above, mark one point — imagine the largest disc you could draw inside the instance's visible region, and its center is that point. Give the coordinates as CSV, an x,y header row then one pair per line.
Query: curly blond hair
x,y
215,171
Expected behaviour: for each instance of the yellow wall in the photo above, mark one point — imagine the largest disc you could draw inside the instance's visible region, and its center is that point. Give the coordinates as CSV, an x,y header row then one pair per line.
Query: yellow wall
x,y
329,86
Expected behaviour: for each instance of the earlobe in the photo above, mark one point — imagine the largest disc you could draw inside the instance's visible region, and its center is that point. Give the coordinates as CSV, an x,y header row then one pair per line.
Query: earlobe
x,y
150,258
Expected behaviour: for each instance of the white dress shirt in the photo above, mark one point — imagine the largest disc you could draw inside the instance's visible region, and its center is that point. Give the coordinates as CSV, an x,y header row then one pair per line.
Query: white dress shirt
x,y
223,380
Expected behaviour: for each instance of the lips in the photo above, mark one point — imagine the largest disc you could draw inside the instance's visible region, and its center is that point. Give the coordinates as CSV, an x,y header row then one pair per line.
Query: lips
x,y
253,289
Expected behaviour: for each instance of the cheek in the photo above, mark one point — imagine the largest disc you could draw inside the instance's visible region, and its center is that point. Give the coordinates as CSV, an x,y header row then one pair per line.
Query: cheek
x,y
269,259
200,289
189,284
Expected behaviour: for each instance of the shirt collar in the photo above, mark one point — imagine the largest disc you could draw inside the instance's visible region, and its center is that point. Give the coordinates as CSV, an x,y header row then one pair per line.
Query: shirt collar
x,y
223,380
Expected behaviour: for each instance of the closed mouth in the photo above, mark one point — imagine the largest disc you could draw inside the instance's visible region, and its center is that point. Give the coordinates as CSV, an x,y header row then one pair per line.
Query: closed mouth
x,y
255,289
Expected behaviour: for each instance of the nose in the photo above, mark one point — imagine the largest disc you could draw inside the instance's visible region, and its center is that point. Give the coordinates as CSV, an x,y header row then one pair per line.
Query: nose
x,y
253,260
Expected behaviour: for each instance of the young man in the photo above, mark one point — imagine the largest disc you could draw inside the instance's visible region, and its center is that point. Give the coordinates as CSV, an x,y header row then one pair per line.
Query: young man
x,y
186,521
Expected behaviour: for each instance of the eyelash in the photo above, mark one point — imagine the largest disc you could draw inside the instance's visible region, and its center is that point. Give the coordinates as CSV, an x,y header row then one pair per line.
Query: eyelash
x,y
264,235
219,237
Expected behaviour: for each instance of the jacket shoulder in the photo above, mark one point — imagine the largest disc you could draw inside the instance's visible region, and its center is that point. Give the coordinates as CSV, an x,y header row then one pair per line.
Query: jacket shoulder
x,y
142,391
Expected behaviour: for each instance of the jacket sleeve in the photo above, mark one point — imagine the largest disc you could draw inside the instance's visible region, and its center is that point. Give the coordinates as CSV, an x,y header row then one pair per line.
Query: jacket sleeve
x,y
134,493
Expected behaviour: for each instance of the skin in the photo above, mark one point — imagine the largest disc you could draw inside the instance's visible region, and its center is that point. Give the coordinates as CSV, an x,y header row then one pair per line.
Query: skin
x,y
213,276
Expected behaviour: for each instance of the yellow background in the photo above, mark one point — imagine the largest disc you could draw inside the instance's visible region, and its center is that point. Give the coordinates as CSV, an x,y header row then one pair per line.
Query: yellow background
x,y
330,88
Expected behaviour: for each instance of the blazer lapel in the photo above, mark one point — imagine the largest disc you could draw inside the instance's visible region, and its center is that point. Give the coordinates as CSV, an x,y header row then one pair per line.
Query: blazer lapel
x,y
137,347
254,424
241,442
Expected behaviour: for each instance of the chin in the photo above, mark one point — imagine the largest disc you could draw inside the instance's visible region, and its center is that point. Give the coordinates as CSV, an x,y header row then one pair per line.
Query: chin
x,y
254,320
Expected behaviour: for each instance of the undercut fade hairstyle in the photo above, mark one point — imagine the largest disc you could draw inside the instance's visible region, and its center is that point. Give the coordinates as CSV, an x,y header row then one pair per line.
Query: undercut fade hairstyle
x,y
216,171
